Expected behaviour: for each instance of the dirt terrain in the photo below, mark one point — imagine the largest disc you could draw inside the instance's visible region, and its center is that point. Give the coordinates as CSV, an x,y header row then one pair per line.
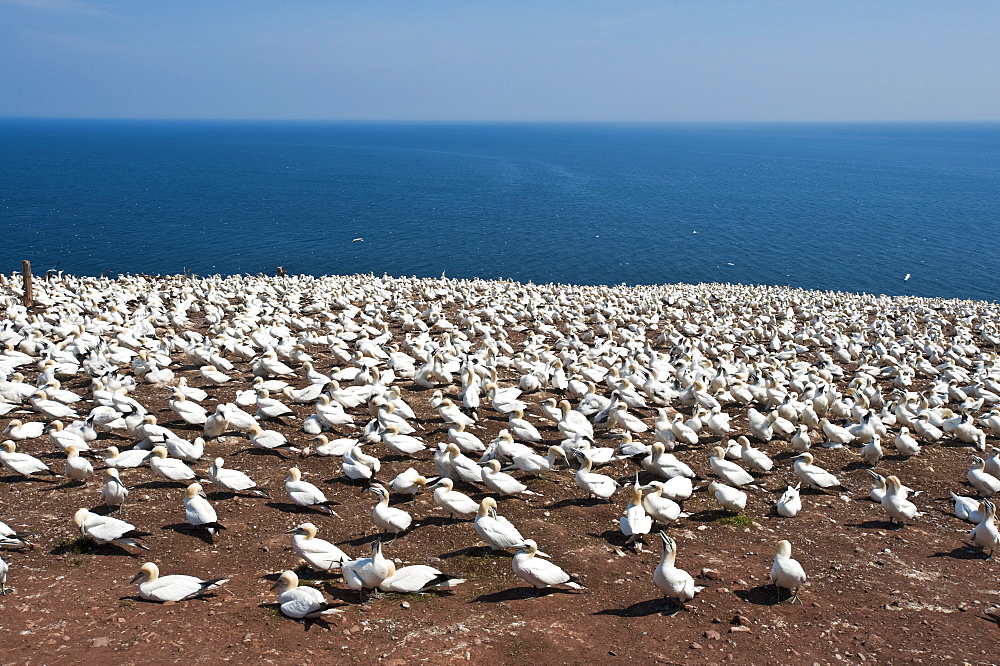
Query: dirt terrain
x,y
876,594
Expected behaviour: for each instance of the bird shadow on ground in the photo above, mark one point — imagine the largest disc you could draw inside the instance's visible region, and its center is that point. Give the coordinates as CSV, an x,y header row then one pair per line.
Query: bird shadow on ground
x,y
762,595
187,529
515,593
991,617
476,551
613,537
857,464
962,553
639,609
307,623
368,538
439,521
160,485
287,507
255,451
69,486
875,525
579,501
83,546
15,478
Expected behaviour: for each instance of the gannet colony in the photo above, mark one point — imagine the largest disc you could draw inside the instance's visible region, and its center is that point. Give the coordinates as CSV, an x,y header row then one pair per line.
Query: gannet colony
x,y
355,411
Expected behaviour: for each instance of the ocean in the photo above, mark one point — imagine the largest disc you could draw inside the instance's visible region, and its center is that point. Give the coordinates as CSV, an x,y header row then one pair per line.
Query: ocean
x,y
847,207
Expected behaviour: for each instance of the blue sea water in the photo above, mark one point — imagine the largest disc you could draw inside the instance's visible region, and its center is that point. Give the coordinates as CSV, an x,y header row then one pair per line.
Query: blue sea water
x,y
850,207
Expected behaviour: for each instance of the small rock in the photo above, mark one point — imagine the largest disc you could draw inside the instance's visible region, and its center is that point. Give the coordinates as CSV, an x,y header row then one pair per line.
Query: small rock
x,y
711,574
169,603
405,604
713,635
739,629
394,662
104,641
695,646
716,620
873,641
741,620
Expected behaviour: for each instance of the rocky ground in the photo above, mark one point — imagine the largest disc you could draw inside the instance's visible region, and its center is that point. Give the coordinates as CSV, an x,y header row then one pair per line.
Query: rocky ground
x,y
876,594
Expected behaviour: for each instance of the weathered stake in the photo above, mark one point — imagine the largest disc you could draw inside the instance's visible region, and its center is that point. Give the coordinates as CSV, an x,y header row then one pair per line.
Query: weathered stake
x,y
29,295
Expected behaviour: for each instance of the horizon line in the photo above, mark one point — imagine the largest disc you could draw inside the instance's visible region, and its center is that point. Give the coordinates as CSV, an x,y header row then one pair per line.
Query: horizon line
x,y
403,121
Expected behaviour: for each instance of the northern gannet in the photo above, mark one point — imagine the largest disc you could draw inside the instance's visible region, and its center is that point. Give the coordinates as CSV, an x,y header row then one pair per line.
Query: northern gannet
x,y
77,468
659,504
675,584
3,578
126,459
985,483
537,572
170,469
200,513
494,529
301,602
871,452
967,508
114,492
367,572
306,494
665,464
500,482
20,431
408,482
64,438
731,499
104,529
389,518
985,534
190,411
321,555
457,504
233,480
175,587
787,573
595,485
790,503
635,523
728,471
895,503
812,475
417,578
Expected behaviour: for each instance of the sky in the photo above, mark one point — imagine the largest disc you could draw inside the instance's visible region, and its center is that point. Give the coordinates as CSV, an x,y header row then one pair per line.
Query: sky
x,y
465,60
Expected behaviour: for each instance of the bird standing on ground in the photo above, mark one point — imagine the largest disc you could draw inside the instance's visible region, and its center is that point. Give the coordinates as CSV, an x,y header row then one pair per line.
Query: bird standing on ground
x,y
787,573
676,584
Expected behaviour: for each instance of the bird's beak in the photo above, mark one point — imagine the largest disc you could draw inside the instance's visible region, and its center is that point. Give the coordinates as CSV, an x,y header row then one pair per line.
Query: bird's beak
x,y
136,577
294,531
543,554
276,585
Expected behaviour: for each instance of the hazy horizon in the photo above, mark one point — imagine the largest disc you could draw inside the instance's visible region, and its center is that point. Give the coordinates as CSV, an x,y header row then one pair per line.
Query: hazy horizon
x,y
449,61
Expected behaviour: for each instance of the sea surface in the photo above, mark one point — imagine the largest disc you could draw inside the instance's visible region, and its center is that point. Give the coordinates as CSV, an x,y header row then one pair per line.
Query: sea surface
x,y
848,207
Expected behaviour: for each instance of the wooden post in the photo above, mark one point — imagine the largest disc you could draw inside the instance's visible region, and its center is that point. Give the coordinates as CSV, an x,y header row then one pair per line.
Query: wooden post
x,y
29,295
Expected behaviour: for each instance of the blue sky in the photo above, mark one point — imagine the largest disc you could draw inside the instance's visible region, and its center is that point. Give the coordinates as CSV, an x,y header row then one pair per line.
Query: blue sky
x,y
521,61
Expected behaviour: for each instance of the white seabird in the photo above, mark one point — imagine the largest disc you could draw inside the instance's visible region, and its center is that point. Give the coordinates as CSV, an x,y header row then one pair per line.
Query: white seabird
x,y
175,587
787,573
105,529
675,584
301,602
539,573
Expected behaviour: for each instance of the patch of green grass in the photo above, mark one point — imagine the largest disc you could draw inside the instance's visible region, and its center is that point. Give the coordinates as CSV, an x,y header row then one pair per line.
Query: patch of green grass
x,y
77,545
126,603
735,521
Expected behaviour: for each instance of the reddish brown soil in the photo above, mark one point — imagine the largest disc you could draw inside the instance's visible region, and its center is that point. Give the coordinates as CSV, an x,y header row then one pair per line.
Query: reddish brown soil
x,y
876,595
